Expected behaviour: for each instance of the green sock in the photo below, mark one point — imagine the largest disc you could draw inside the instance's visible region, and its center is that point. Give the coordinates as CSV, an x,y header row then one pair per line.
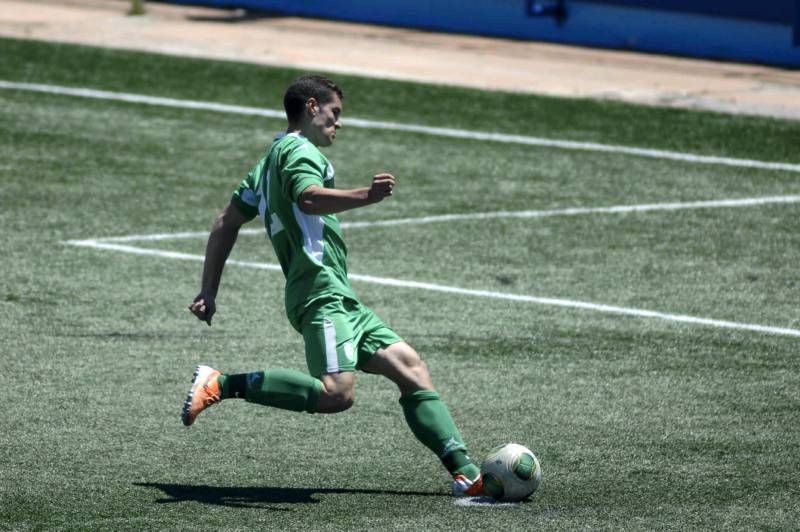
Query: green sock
x,y
432,424
280,388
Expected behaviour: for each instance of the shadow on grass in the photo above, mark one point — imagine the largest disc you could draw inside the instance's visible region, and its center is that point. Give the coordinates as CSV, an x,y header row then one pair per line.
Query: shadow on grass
x,y
256,497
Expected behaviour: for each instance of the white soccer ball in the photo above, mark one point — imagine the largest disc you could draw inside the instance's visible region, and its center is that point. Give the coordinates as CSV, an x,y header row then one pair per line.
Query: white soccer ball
x,y
510,472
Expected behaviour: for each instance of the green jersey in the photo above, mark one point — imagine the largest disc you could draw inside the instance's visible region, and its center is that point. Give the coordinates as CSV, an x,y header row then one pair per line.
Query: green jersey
x,y
310,248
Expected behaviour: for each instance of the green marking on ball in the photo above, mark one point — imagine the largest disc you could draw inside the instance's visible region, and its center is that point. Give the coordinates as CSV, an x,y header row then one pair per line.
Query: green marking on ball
x,y
524,466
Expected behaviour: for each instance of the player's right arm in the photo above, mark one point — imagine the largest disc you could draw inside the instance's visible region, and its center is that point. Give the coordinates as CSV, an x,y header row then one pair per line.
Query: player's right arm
x,y
321,200
220,243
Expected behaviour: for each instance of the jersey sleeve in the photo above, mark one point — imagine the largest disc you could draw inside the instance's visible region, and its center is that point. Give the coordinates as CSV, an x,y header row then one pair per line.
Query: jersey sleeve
x,y
303,167
245,197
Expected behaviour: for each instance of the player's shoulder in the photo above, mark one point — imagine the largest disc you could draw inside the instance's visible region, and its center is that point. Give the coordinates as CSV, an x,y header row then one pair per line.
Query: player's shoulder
x,y
294,142
294,147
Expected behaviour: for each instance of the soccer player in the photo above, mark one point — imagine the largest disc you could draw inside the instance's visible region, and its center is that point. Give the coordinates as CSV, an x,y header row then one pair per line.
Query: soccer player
x,y
292,190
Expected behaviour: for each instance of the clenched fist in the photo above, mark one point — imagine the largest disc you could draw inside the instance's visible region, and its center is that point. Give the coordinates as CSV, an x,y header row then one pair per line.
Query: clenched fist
x,y
203,307
382,186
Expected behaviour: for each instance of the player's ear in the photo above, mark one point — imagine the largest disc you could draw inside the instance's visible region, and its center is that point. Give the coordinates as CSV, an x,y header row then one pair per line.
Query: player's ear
x,y
312,108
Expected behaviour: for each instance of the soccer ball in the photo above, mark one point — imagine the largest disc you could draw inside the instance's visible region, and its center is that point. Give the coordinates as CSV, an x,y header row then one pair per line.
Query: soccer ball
x,y
510,472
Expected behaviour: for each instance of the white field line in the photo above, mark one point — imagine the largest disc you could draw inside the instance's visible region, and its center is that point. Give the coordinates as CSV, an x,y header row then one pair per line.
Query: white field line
x,y
409,128
572,211
484,502
576,211
399,283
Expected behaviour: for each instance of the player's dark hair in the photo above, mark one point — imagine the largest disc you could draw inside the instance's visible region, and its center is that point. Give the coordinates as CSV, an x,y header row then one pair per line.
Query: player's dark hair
x,y
320,88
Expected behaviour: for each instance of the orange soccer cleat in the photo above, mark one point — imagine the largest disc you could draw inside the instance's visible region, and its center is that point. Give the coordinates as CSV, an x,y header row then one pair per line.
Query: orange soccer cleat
x,y
205,391
464,487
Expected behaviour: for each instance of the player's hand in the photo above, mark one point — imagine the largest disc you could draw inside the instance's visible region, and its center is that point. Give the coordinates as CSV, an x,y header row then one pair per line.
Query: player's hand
x,y
382,186
203,307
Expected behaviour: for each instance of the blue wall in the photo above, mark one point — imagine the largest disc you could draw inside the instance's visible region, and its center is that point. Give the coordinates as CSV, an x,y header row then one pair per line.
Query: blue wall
x,y
762,32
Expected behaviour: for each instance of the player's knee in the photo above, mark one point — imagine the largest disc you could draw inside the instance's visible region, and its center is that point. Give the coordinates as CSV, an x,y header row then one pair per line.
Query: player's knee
x,y
336,396
343,400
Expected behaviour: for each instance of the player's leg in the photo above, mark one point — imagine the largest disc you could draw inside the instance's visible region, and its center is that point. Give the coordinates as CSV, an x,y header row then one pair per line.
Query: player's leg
x,y
425,412
401,364
330,355
279,388
292,390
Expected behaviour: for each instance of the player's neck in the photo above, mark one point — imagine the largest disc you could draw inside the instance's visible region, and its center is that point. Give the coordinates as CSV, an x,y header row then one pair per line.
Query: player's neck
x,y
299,130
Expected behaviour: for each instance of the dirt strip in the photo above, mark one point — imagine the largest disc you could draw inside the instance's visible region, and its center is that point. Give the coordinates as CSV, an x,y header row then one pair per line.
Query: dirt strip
x,y
393,53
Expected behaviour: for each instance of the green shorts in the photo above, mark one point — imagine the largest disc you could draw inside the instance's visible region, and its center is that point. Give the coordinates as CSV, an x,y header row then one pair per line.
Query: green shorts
x,y
341,335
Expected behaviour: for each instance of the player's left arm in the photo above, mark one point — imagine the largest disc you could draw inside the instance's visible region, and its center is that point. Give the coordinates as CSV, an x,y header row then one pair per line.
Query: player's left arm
x,y
220,243
319,200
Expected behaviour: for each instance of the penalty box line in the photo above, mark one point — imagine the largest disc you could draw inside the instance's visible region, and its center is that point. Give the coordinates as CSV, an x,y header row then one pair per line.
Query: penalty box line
x,y
400,283
485,136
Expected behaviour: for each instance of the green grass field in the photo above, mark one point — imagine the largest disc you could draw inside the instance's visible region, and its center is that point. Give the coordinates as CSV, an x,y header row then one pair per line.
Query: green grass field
x,y
639,422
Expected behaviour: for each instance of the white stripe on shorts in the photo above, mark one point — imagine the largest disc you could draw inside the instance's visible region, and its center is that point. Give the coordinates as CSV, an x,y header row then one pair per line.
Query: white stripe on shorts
x,y
332,360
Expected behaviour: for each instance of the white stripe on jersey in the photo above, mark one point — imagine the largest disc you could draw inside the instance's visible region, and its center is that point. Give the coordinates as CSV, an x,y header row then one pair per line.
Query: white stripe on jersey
x,y
275,224
311,227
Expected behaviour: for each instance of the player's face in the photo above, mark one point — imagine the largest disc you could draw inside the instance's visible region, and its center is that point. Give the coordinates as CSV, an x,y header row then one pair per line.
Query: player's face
x,y
325,121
